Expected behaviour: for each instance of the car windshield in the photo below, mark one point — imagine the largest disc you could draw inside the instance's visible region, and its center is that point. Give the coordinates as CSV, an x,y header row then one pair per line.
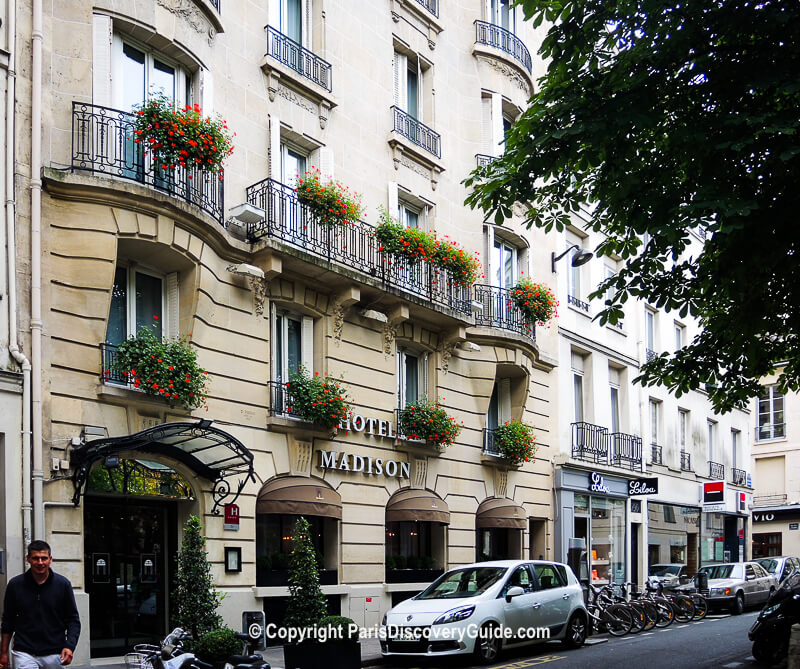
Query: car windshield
x,y
723,571
769,564
468,582
664,569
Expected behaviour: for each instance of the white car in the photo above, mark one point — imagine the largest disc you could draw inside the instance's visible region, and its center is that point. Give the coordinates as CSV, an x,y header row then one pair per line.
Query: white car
x,y
484,607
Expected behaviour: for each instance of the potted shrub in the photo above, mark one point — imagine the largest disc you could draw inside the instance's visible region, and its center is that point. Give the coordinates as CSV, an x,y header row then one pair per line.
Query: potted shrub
x,y
536,301
182,137
317,399
516,442
428,422
342,648
217,646
330,201
164,368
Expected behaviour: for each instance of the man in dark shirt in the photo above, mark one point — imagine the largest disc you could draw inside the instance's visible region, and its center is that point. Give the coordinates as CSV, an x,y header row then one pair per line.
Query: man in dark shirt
x,y
39,611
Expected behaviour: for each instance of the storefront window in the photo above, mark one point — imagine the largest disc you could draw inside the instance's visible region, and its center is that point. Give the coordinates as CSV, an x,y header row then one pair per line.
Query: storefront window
x,y
608,540
495,543
767,545
673,538
274,540
408,545
713,538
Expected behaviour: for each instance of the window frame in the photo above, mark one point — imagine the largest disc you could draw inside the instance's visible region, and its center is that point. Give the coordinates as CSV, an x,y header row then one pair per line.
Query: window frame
x,y
403,354
683,427
712,439
168,311
500,247
770,396
280,358
650,328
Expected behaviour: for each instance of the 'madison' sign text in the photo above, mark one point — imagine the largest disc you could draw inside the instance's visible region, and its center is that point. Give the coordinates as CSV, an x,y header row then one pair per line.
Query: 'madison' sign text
x,y
364,464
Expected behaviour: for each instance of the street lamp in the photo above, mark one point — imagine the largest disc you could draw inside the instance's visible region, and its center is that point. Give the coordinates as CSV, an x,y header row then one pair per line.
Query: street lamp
x,y
580,258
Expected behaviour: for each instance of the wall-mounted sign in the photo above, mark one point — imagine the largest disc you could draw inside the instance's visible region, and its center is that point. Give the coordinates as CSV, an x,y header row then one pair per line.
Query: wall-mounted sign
x,y
794,526
101,568
364,464
648,486
231,517
714,492
598,483
742,502
149,572
368,425
763,517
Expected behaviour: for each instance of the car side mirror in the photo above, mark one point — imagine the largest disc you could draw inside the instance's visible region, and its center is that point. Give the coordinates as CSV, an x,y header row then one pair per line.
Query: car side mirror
x,y
514,591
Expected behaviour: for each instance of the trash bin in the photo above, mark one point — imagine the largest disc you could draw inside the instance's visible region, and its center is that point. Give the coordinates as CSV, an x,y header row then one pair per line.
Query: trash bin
x,y
701,582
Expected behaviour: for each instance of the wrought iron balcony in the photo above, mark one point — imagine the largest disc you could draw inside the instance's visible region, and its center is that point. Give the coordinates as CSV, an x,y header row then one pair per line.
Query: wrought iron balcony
x,y
482,159
769,431
351,246
103,142
778,499
500,38
296,57
489,445
499,311
738,476
280,400
716,470
626,450
656,454
686,461
416,132
215,4
650,354
590,442
109,374
577,302
431,5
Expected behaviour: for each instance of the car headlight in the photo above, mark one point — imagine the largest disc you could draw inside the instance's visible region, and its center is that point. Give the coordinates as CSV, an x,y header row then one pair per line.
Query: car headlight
x,y
720,592
454,615
769,610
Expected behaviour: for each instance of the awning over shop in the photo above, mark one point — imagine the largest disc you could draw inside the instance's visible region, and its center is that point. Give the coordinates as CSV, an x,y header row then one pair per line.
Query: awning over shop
x,y
501,512
300,496
416,504
208,451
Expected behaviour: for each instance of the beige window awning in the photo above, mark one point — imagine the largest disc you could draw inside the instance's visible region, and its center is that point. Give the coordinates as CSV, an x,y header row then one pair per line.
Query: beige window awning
x,y
501,512
416,504
299,496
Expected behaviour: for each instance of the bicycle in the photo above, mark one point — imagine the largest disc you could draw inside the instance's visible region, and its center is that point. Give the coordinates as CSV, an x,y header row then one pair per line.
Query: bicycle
x,y
681,604
614,618
642,619
665,613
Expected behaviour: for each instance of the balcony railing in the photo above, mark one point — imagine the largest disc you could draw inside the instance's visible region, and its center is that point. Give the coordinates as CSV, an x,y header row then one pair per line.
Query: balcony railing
x,y
686,461
577,302
656,454
108,353
499,311
738,476
626,450
280,400
352,246
489,445
778,499
650,354
589,442
103,142
431,5
416,132
500,38
716,470
296,57
215,4
769,431
483,159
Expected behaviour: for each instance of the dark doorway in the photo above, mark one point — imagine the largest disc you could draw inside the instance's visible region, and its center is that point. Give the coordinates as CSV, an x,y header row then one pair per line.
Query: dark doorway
x,y
636,530
129,547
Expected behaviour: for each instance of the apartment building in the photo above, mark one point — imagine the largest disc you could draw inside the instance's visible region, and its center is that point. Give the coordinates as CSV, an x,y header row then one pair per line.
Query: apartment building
x,y
643,477
397,99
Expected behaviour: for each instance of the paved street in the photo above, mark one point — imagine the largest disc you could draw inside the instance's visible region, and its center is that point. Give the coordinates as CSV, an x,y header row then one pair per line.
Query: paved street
x,y
719,641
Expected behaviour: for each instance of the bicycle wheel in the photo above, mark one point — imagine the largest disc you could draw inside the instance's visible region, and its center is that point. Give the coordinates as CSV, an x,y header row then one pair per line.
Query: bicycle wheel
x,y
666,614
700,606
652,614
639,615
617,619
684,608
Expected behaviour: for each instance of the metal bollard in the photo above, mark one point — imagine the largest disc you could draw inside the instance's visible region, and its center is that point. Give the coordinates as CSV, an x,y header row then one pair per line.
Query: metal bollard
x,y
794,647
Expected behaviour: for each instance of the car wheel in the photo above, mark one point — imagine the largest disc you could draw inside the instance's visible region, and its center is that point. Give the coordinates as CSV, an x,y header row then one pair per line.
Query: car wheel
x,y
575,636
487,645
737,608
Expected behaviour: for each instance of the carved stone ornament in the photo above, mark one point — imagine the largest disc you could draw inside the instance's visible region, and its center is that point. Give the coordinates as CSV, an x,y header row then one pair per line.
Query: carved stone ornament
x,y
259,288
389,334
338,323
189,12
510,73
446,352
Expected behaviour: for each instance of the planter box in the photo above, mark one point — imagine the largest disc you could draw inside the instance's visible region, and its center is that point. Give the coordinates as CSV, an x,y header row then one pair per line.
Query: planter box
x,y
336,654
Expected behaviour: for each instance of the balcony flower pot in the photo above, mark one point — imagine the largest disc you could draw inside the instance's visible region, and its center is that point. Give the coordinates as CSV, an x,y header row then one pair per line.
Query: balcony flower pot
x,y
536,301
428,422
331,202
516,442
317,399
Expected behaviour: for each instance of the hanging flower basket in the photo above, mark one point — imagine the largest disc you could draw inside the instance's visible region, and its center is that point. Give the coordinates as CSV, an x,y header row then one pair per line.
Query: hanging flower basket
x,y
516,442
317,399
182,137
428,422
535,300
164,368
332,202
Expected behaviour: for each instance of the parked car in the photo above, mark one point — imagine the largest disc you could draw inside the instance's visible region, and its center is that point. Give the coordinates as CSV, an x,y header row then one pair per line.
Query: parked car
x,y
669,575
780,566
738,584
473,609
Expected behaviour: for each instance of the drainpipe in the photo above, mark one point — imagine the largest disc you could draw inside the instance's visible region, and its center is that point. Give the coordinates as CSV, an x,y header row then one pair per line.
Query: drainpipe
x,y
11,266
36,266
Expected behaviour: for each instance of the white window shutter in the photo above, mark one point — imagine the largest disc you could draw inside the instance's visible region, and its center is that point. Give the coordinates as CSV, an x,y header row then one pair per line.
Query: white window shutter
x,y
487,133
400,78
504,401
206,92
487,11
275,147
497,124
173,311
274,14
308,20
326,161
401,380
117,82
101,60
307,344
423,375
394,200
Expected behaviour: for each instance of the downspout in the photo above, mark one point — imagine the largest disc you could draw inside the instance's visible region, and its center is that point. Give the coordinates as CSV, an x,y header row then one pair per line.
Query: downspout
x,y
11,241
36,267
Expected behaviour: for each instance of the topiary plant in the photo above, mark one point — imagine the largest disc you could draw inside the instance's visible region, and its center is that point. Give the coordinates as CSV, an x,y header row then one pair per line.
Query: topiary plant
x,y
345,628
306,606
217,646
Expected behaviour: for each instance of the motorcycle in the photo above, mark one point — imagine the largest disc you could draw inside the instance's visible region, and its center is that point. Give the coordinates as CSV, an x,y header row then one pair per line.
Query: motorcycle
x,y
770,632
171,655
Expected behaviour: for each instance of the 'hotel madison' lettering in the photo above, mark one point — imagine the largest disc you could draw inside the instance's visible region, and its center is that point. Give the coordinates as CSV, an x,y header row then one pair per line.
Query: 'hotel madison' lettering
x,y
357,423
364,464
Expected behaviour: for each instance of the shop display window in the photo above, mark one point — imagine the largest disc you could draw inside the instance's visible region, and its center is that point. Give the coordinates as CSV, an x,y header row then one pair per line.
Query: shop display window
x,y
608,540
673,539
410,551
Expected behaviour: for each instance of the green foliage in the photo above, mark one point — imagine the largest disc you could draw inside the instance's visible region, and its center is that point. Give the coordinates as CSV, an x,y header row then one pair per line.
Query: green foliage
x,y
423,420
306,606
134,478
194,599
163,368
344,628
671,119
535,300
317,399
516,441
331,202
217,645
182,137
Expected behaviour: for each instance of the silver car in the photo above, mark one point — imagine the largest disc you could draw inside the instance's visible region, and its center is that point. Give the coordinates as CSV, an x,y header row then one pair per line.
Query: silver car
x,y
738,584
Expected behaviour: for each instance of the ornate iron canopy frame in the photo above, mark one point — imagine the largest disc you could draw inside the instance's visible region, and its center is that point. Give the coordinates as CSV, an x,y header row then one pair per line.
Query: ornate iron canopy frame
x,y
208,451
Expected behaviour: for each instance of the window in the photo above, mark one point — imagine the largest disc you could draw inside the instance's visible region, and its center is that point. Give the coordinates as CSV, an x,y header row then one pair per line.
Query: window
x,y
577,386
497,117
770,414
409,545
521,578
499,404
293,344
504,264
141,298
650,330
412,377
655,408
138,73
547,576
767,545
293,163
410,215
734,447
291,23
712,438
502,14
680,336
613,379
669,513
410,84
683,426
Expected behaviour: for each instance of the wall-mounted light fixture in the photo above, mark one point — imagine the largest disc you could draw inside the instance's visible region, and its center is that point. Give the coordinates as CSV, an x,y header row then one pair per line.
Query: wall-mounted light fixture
x,y
580,258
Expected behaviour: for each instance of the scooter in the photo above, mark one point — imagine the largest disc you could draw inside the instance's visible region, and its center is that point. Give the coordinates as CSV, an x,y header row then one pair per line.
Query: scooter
x,y
171,655
770,632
